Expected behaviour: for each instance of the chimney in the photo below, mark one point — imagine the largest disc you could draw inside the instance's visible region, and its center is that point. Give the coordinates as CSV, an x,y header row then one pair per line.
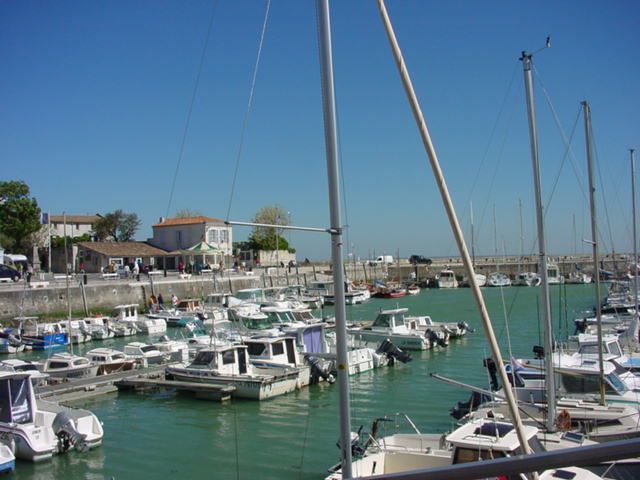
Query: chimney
x,y
162,219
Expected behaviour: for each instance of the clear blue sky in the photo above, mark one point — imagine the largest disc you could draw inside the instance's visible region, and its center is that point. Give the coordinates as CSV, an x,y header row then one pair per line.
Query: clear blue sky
x,y
95,95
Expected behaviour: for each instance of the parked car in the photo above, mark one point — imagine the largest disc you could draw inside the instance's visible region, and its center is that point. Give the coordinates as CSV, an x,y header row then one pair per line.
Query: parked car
x,y
417,259
9,272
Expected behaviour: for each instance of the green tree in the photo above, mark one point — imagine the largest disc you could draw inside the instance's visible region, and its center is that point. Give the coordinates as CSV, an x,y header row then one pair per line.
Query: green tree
x,y
187,213
19,215
270,238
118,225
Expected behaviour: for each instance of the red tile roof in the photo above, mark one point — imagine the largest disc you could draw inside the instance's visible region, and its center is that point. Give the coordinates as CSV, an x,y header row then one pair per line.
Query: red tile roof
x,y
171,222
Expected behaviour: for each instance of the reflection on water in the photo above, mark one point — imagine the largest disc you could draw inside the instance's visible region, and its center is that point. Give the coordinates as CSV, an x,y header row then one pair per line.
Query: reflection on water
x,y
166,434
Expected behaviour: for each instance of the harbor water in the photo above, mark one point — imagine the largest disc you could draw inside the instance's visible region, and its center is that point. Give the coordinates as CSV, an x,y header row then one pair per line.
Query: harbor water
x,y
169,435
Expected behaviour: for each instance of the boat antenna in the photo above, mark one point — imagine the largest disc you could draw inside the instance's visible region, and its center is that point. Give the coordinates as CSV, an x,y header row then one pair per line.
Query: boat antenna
x,y
455,226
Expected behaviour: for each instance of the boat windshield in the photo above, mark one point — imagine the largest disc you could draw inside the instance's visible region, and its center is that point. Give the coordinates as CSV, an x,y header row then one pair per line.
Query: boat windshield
x,y
616,383
204,359
250,295
25,368
258,323
148,348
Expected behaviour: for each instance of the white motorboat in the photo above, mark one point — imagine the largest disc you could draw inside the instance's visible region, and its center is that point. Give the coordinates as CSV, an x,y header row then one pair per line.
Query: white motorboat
x,y
272,352
390,324
144,354
423,323
229,365
99,327
553,274
124,319
66,365
77,331
15,365
40,429
447,279
477,440
110,360
527,279
578,278
10,341
7,459
498,279
174,350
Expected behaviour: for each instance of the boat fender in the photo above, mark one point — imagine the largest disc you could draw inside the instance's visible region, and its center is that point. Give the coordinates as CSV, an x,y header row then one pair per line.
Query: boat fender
x,y
563,420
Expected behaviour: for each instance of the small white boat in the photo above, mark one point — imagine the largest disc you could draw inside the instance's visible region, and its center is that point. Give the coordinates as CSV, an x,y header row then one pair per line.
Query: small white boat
x,y
7,459
99,328
174,350
423,323
498,279
553,274
14,365
447,279
110,360
77,331
124,320
66,365
144,354
578,278
40,429
229,365
390,324
272,352
10,341
527,279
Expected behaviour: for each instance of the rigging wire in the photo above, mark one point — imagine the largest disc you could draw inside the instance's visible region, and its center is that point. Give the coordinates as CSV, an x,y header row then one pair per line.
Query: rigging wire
x,y
191,104
245,120
488,146
604,199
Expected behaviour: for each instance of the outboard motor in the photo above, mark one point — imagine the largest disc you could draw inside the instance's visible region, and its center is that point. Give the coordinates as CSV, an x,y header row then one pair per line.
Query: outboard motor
x,y
464,408
581,326
163,338
374,430
202,316
392,352
13,340
435,339
465,326
67,434
317,371
493,372
538,352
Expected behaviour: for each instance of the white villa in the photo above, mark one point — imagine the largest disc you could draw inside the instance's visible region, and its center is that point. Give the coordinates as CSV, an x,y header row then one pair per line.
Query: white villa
x,y
173,234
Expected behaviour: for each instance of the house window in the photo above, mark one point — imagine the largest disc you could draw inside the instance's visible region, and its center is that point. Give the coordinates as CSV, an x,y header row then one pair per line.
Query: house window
x,y
179,238
224,236
212,235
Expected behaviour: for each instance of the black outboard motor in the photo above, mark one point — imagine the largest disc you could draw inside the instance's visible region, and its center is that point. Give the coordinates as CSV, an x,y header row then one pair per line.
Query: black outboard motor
x,y
538,352
392,352
14,340
463,408
465,326
581,326
493,373
317,370
435,339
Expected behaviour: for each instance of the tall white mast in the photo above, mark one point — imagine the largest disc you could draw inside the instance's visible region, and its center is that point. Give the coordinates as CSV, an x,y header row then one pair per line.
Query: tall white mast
x,y
634,324
594,242
455,225
542,253
331,144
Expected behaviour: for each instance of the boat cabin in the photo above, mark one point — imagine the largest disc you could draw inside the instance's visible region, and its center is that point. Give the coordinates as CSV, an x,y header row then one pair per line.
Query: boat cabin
x,y
125,313
17,401
63,362
226,360
269,351
105,355
279,316
392,320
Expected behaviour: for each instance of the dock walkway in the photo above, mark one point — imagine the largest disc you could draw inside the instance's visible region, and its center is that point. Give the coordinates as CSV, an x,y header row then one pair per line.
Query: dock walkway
x,y
143,379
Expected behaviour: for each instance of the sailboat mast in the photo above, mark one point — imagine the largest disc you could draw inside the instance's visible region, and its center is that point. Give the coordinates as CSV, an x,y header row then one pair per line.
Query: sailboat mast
x,y
455,226
634,324
473,249
546,307
594,242
521,237
331,145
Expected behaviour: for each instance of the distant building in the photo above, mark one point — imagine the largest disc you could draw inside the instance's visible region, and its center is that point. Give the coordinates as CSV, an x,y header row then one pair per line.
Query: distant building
x,y
77,225
174,234
95,256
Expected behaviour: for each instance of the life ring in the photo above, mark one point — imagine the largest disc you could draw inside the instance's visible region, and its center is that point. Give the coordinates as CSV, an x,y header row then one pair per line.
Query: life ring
x,y
563,420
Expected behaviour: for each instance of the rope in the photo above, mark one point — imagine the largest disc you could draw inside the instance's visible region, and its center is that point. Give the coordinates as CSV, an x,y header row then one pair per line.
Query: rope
x,y
245,120
190,111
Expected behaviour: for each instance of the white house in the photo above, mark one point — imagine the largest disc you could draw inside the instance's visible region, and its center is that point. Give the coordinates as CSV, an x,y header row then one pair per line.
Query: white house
x,y
76,225
173,234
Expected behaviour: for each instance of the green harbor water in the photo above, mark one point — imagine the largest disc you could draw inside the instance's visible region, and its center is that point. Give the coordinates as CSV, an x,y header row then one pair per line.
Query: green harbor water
x,y
169,435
